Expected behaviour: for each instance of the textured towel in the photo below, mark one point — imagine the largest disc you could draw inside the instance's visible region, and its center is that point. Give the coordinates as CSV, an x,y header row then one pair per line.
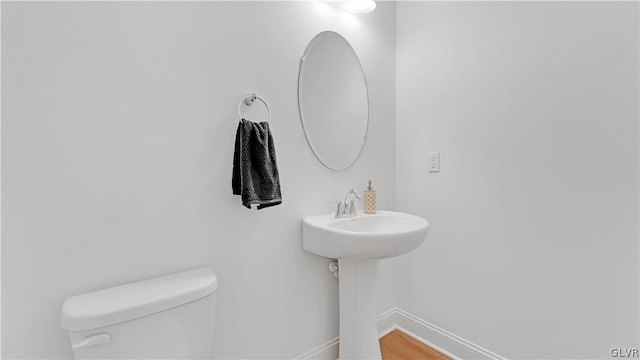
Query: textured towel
x,y
255,171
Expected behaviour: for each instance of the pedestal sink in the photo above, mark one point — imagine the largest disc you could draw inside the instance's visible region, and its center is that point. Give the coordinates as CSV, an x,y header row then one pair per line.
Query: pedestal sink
x,y
358,242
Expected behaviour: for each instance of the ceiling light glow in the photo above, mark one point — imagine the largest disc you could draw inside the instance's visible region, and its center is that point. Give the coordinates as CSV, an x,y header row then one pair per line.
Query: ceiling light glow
x,y
362,6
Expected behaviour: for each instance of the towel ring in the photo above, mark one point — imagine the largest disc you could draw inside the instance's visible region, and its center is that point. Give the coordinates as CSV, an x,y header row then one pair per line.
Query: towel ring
x,y
248,100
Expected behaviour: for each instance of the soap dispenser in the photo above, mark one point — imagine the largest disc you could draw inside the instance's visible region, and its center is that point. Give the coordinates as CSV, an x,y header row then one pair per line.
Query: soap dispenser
x,y
369,200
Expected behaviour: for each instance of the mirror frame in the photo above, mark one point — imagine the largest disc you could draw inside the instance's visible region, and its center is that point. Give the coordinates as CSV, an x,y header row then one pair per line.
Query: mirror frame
x,y
366,87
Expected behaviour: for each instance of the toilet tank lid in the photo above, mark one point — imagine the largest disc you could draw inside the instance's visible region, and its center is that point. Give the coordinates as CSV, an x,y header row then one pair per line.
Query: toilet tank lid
x,y
137,299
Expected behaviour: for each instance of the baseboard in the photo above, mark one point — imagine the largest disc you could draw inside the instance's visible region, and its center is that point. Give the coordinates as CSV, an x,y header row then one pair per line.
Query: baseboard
x,y
433,336
326,351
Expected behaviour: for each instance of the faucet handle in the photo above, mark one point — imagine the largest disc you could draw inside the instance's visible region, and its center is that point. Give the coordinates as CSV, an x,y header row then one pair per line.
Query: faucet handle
x,y
352,207
339,208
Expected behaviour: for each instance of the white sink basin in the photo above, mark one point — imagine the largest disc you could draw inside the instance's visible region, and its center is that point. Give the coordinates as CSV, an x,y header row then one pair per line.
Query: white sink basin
x,y
358,242
381,235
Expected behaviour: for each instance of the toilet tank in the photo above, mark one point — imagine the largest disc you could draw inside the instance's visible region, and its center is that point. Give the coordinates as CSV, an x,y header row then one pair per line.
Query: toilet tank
x,y
167,317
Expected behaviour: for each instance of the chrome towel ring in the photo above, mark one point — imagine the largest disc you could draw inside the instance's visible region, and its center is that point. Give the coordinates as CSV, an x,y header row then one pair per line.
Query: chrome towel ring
x,y
248,100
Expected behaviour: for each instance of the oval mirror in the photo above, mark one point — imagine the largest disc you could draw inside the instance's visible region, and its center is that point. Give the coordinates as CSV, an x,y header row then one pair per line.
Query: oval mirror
x,y
333,100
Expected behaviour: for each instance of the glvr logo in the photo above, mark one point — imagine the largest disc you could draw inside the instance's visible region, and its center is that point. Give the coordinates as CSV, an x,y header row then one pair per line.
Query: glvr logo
x,y
624,352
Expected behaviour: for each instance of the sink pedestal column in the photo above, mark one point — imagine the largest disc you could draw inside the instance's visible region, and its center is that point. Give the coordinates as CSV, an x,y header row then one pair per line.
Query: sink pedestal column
x,y
358,317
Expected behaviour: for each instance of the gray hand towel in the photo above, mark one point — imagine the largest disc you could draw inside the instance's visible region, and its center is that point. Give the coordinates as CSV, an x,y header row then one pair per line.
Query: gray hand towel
x,y
255,171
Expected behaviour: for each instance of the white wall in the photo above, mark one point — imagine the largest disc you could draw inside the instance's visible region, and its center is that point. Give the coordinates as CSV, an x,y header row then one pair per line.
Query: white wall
x,y
118,123
533,106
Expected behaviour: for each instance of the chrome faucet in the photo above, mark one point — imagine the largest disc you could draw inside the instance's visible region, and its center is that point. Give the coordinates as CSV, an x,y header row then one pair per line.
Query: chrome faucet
x,y
348,208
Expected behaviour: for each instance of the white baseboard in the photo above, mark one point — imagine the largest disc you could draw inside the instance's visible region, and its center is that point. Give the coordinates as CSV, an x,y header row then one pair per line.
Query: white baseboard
x,y
326,351
435,337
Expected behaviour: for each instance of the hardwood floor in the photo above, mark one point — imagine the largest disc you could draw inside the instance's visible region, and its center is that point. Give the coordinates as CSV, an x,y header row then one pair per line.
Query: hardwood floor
x,y
397,345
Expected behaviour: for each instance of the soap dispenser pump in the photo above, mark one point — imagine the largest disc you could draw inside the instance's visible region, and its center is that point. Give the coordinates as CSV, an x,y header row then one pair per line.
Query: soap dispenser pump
x,y
369,200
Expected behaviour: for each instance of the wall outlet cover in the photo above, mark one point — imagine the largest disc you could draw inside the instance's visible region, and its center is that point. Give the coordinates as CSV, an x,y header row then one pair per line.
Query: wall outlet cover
x,y
434,162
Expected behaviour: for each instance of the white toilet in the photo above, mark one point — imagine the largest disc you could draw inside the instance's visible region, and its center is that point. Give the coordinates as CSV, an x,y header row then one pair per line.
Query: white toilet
x,y
168,317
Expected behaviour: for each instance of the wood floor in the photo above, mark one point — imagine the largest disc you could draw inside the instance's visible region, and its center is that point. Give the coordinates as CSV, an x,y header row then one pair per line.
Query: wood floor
x,y
397,345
